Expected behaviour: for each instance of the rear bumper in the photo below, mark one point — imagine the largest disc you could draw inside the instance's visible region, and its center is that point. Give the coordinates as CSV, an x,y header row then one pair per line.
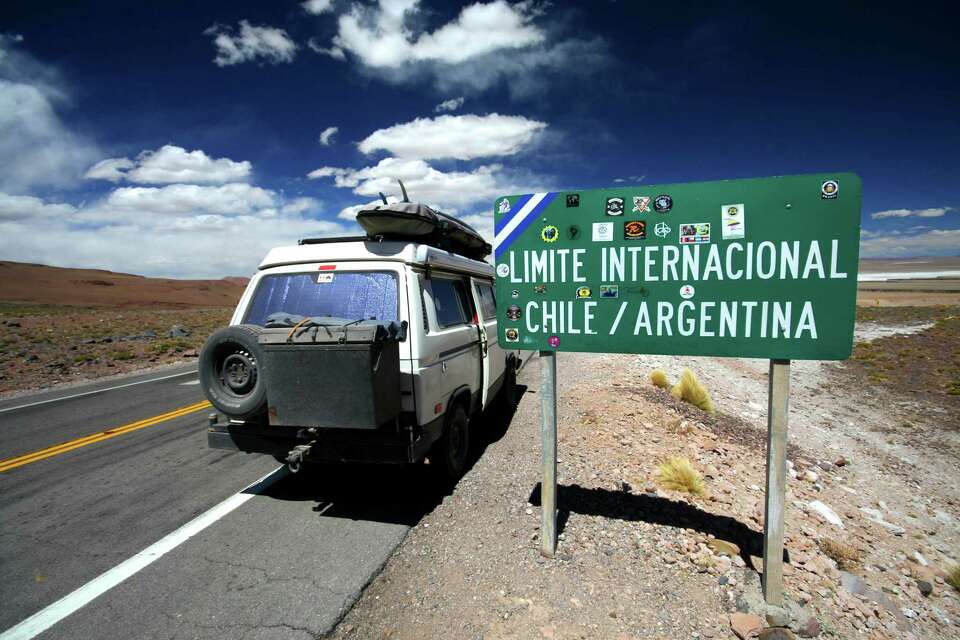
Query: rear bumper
x,y
327,445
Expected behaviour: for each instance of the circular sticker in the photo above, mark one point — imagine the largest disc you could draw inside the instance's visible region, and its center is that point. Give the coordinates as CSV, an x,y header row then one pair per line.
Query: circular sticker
x,y
512,335
584,292
663,203
549,233
513,312
687,291
829,189
539,288
553,341
503,270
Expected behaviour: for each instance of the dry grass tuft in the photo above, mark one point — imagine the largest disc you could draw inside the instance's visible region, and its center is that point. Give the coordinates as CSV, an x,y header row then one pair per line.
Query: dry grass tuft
x,y
953,577
659,379
689,389
845,556
678,474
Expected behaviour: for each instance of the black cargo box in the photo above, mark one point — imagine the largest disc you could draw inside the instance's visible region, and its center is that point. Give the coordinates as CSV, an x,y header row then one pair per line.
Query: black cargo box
x,y
423,224
331,377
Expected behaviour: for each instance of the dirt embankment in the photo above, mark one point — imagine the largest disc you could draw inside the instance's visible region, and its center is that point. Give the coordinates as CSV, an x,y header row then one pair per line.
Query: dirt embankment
x,y
39,284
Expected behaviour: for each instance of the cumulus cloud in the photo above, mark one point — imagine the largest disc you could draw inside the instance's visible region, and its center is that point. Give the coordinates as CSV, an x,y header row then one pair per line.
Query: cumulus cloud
x,y
326,136
25,207
317,7
450,105
251,42
36,148
461,137
379,37
171,164
485,44
936,212
936,242
175,230
423,182
443,189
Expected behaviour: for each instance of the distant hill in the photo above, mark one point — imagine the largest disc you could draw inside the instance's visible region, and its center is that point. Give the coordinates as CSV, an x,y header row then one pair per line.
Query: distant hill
x,y
40,284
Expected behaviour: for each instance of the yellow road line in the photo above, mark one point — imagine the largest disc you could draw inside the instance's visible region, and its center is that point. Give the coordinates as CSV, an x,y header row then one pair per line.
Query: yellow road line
x,y
12,463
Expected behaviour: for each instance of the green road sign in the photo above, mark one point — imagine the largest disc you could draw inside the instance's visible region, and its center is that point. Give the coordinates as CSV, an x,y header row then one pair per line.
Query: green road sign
x,y
764,268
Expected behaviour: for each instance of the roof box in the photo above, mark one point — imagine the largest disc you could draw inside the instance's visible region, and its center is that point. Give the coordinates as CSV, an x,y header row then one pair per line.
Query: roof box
x,y
414,221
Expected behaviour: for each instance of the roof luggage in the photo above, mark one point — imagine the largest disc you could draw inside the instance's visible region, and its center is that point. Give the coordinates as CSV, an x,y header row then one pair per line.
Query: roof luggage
x,y
411,220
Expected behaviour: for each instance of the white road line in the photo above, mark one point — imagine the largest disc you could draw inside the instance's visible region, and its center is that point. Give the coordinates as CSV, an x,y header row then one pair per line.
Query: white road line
x,y
49,616
90,393
189,383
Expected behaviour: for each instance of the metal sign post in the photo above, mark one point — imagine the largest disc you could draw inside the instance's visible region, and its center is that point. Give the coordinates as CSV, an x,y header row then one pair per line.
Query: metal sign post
x,y
548,440
778,397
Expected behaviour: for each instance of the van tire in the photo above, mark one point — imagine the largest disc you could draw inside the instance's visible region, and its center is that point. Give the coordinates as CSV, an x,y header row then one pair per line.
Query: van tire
x,y
231,373
449,454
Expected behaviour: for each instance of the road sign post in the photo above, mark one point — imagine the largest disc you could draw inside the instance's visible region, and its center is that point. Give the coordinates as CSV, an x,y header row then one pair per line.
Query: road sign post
x,y
548,446
778,397
761,268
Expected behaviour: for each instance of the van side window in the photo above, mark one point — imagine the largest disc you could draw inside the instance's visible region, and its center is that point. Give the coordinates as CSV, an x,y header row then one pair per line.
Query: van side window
x,y
488,303
450,301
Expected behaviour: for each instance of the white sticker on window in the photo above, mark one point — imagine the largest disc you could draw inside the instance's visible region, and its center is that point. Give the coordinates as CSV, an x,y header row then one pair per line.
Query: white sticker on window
x,y
324,278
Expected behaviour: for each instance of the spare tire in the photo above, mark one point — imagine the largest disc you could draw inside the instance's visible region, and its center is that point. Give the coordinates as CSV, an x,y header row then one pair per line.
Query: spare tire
x,y
230,371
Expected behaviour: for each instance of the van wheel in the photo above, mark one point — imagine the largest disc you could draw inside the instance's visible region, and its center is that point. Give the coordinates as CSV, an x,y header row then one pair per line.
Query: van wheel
x,y
449,454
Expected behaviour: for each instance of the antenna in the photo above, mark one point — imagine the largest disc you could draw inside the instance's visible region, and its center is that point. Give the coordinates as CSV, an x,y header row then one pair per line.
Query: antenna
x,y
384,198
404,190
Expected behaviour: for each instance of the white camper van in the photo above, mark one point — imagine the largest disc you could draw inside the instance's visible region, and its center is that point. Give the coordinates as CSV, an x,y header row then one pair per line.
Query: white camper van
x,y
376,348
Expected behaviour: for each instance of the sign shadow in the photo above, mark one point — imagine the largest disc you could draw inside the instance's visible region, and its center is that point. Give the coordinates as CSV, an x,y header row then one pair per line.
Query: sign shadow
x,y
653,509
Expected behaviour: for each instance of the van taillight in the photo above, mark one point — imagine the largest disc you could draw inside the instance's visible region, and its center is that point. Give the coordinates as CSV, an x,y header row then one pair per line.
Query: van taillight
x,y
327,267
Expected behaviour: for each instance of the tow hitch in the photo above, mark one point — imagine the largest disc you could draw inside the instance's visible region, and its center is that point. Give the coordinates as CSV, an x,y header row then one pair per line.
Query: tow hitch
x,y
297,455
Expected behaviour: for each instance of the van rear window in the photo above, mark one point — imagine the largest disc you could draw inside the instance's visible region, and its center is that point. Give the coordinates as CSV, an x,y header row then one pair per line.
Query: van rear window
x,y
341,294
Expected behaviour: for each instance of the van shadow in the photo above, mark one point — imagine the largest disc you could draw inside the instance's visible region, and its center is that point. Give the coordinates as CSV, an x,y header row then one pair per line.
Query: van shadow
x,y
397,494
653,509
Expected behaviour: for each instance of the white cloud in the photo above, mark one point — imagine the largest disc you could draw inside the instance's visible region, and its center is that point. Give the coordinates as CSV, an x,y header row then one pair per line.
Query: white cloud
x,y
936,242
176,230
462,137
112,169
24,207
36,148
487,43
250,43
936,212
317,7
446,190
379,37
171,164
423,182
326,136
449,105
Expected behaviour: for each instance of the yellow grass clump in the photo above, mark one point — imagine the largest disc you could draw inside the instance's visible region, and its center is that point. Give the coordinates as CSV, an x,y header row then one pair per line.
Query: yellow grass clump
x,y
845,556
678,474
689,389
659,379
953,578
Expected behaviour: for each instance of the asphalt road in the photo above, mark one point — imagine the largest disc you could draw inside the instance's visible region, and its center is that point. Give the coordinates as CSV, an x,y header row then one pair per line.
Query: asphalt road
x,y
285,559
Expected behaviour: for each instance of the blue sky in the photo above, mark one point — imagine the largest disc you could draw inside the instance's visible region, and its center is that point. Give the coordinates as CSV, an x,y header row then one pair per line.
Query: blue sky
x,y
185,139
